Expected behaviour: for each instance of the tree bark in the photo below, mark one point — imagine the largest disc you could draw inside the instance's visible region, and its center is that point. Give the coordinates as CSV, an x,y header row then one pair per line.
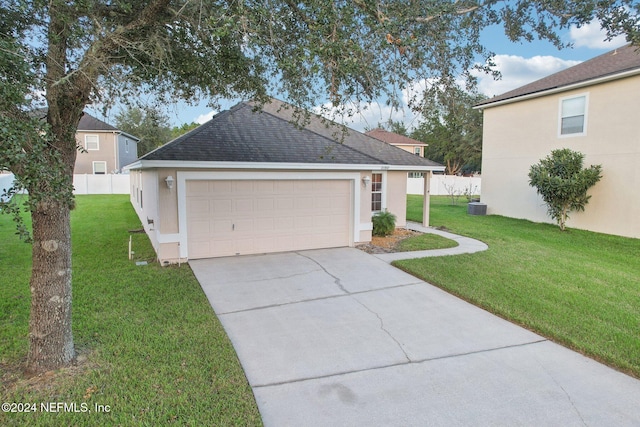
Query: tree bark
x,y
50,335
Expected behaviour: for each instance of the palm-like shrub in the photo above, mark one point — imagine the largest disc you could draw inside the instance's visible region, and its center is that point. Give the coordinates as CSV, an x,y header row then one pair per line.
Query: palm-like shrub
x,y
383,223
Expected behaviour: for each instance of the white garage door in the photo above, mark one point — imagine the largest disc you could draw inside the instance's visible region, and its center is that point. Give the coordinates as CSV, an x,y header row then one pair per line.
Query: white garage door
x,y
250,217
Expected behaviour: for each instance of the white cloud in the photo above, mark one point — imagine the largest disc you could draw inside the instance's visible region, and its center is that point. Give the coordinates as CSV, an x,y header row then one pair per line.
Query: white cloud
x,y
593,37
203,118
518,71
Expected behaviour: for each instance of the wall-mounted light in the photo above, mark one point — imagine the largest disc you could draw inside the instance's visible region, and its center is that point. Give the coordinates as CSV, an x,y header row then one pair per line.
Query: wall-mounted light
x,y
169,181
366,180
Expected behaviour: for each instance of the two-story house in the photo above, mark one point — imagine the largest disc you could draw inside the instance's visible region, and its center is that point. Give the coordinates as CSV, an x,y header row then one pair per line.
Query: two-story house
x,y
592,108
104,148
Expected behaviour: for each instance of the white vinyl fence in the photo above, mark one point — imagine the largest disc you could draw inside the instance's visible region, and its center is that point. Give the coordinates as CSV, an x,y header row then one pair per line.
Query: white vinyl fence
x,y
445,185
101,184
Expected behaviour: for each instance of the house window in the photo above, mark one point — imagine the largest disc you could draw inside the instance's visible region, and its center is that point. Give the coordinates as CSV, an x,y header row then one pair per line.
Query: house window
x,y
99,168
573,115
91,142
376,192
416,151
415,174
126,146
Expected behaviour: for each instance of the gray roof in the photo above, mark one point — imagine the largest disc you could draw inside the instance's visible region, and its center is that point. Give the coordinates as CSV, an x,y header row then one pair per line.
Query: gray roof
x,y
617,61
88,122
242,134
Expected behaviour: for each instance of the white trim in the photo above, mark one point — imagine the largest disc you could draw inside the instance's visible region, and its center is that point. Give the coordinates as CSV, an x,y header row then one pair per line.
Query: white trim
x,y
584,95
167,238
93,167
183,177
86,147
366,226
560,89
180,164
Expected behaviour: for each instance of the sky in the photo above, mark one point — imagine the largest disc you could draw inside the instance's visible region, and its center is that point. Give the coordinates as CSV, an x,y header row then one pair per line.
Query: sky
x,y
519,64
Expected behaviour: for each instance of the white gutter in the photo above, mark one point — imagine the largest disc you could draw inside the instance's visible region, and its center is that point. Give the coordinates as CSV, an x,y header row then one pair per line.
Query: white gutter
x,y
554,90
178,164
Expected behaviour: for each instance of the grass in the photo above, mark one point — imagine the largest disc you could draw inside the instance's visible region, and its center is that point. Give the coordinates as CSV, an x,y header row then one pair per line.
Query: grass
x,y
154,351
424,242
578,288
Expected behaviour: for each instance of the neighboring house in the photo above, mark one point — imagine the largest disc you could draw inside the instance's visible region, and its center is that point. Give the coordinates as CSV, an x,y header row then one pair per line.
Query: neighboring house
x,y
407,144
104,148
251,182
592,108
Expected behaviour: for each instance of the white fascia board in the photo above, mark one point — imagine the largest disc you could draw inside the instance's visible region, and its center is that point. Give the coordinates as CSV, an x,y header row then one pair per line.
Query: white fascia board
x,y
560,89
128,135
178,164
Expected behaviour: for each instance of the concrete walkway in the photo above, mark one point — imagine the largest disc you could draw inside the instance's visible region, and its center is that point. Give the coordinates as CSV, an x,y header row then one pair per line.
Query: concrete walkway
x,y
466,245
338,337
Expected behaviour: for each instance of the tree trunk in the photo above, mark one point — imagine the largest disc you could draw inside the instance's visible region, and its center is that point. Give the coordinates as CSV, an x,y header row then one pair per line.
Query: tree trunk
x,y
50,335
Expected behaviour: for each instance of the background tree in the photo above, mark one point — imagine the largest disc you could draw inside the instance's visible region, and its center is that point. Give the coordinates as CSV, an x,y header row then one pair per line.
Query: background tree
x,y
177,131
453,129
79,52
147,123
563,183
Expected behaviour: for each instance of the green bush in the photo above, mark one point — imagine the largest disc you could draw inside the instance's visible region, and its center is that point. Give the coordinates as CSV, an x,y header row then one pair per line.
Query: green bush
x,y
383,223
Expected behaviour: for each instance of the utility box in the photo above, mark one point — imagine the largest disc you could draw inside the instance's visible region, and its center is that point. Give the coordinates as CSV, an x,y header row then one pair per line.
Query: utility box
x,y
477,208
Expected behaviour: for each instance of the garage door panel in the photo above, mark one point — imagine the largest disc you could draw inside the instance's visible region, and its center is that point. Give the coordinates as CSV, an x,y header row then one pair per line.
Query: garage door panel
x,y
199,206
198,188
222,206
201,227
265,224
221,226
246,217
243,207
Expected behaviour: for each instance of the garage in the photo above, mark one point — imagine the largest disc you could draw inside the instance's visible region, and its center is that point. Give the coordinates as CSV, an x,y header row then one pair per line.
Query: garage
x,y
241,217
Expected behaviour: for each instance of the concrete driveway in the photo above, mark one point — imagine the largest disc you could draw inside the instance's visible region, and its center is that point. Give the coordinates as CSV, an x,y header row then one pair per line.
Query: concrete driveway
x,y
338,337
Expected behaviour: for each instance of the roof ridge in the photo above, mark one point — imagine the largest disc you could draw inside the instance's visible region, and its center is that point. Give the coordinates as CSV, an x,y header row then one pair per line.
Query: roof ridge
x,y
305,129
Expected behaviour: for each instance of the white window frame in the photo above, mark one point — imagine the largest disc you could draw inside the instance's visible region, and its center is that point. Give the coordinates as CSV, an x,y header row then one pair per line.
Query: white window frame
x,y
126,145
99,162
381,191
417,151
97,142
585,115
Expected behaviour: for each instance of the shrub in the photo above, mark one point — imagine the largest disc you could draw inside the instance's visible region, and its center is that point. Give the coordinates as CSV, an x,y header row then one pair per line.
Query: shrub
x,y
383,223
563,183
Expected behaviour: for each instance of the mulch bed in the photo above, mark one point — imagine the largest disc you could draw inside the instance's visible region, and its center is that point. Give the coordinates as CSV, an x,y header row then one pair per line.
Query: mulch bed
x,y
384,245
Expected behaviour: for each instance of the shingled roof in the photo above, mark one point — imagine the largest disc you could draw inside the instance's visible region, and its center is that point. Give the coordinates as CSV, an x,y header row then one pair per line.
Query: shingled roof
x,y
394,138
243,135
616,63
88,122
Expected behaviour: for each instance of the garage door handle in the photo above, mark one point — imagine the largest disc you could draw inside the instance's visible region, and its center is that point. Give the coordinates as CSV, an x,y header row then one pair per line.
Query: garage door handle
x,y
233,227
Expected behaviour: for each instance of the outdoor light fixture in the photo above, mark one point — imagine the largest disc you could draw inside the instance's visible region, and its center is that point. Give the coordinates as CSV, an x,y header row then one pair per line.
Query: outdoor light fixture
x,y
169,181
366,180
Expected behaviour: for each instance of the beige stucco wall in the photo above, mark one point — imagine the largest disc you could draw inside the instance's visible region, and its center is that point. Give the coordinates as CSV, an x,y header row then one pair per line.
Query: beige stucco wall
x,y
160,204
397,196
411,148
518,135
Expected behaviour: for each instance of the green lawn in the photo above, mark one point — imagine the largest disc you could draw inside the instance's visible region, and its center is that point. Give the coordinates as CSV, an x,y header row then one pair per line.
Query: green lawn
x,y
578,288
155,352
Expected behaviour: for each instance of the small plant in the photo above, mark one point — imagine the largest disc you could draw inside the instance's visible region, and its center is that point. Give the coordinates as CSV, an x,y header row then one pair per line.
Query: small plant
x,y
470,192
452,191
384,223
